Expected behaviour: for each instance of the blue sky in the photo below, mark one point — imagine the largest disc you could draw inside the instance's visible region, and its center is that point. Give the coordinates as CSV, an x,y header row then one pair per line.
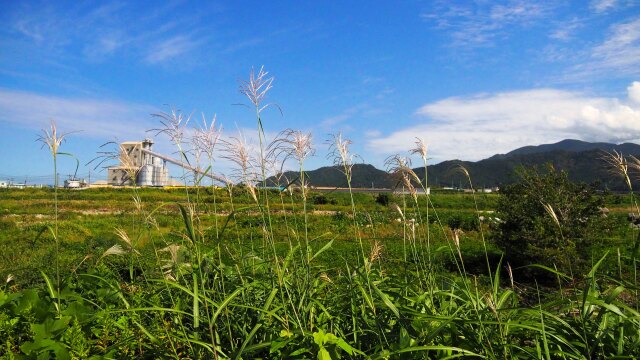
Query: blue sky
x,y
473,78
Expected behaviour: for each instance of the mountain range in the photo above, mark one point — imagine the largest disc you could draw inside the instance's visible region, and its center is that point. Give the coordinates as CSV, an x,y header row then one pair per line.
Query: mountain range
x,y
582,160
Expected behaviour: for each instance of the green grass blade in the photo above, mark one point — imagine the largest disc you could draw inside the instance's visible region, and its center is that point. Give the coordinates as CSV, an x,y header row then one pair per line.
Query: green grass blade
x,y
386,300
247,340
226,302
326,247
188,222
196,302
52,291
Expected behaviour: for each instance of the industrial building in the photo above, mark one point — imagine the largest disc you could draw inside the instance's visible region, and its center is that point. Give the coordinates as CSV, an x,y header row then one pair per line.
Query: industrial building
x,y
139,165
75,183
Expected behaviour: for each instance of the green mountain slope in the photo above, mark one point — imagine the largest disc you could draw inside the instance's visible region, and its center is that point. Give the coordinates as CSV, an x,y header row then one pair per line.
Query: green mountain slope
x,y
582,160
363,176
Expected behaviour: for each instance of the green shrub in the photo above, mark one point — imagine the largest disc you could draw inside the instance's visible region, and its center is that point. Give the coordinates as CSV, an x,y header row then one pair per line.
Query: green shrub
x,y
548,220
454,221
320,199
383,199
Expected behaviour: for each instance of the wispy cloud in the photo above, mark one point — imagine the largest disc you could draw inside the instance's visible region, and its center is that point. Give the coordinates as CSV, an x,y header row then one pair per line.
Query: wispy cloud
x,y
170,48
114,29
33,31
618,55
244,44
367,80
355,113
480,24
331,121
94,118
482,125
621,50
603,5
565,30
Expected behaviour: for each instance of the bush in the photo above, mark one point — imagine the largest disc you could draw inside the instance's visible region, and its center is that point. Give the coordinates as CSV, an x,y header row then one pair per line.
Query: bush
x,y
383,199
454,222
466,222
320,200
470,223
548,220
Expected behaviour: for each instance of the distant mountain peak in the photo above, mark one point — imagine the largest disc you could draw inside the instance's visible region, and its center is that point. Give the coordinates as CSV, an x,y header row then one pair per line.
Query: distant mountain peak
x,y
573,145
581,159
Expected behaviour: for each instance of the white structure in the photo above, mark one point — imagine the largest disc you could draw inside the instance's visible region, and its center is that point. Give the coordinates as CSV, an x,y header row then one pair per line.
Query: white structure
x,y
139,166
142,166
75,184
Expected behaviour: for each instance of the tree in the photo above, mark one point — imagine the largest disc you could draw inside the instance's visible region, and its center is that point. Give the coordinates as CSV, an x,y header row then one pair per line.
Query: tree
x,y
547,219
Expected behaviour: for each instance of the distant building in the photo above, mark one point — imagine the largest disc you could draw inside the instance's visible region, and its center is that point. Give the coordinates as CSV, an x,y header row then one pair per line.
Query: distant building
x,y
4,184
75,183
141,166
138,166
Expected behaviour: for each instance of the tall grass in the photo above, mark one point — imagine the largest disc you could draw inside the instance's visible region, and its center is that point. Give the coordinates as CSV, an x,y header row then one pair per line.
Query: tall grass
x,y
52,140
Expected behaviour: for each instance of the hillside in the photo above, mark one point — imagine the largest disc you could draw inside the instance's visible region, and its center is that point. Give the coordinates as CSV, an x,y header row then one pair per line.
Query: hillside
x,y
363,176
571,145
584,166
582,160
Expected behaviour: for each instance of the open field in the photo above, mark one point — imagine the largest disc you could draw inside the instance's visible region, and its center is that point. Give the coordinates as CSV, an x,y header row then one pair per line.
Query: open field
x,y
195,272
382,180
88,219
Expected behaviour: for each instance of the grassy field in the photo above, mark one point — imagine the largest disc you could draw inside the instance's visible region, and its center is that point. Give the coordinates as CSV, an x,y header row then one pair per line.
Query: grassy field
x,y
88,219
203,273
246,272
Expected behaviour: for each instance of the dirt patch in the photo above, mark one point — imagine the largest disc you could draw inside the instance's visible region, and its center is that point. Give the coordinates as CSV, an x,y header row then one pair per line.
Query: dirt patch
x,y
98,212
324,212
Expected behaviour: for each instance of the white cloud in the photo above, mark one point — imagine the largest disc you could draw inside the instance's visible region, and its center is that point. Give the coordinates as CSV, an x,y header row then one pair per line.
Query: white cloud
x,y
566,30
94,118
634,92
618,55
359,110
603,5
476,127
373,133
622,48
170,48
242,45
331,121
107,44
114,29
481,23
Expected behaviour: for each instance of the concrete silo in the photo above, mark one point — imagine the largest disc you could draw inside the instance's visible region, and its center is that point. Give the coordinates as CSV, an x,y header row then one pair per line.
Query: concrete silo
x,y
140,165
